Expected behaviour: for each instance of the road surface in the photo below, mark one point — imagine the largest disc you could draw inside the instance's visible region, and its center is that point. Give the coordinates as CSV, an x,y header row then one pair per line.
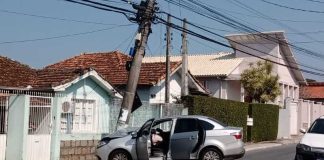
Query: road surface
x,y
284,152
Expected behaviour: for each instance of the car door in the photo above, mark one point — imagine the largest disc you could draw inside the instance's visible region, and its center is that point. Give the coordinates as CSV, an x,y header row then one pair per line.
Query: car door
x,y
143,136
184,138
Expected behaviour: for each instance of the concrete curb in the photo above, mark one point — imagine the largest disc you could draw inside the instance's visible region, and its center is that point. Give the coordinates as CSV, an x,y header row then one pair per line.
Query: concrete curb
x,y
259,146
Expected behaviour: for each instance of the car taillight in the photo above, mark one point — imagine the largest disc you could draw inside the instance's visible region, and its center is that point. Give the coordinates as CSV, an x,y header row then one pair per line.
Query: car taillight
x,y
237,135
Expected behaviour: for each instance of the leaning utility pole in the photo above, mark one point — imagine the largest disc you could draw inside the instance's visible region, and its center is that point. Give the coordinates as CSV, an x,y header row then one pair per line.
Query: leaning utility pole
x,y
167,61
184,75
144,18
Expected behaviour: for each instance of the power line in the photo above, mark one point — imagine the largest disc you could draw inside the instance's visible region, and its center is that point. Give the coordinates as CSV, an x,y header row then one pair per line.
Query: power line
x,y
315,1
275,19
217,16
292,8
254,11
53,18
112,8
61,36
218,35
225,45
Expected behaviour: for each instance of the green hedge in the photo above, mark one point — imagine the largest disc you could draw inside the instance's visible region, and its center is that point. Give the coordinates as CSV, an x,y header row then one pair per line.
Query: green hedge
x,y
232,113
265,122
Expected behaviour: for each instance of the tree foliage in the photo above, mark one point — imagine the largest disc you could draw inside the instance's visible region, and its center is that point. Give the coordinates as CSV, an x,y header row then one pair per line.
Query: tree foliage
x,y
259,83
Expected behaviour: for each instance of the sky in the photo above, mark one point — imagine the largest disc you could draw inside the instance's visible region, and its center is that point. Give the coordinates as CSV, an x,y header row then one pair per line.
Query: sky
x,y
42,32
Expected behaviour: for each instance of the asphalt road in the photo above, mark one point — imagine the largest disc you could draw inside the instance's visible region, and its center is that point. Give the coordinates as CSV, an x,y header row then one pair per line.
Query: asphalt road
x,y
284,152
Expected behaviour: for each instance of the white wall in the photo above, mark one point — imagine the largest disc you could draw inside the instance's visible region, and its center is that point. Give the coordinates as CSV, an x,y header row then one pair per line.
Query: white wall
x,y
234,90
289,86
159,90
272,49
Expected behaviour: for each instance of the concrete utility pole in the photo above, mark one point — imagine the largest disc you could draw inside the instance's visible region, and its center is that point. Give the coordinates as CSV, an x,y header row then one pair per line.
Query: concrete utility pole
x,y
184,75
167,62
144,17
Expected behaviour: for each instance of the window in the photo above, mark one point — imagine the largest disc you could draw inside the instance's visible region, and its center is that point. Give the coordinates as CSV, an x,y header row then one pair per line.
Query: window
x,y
164,125
317,127
186,125
206,125
78,116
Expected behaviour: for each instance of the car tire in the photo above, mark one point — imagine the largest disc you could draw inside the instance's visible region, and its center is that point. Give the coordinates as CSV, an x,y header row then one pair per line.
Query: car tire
x,y
211,154
119,155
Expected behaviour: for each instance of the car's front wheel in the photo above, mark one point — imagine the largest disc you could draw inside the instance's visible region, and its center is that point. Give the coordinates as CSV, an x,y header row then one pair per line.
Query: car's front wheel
x,y
119,155
211,154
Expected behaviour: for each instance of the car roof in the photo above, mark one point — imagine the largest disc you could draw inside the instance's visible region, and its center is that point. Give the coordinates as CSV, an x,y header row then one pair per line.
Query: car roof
x,y
183,116
321,117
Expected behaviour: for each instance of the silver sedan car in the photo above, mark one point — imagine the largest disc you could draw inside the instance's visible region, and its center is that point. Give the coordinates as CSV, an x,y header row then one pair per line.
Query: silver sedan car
x,y
182,137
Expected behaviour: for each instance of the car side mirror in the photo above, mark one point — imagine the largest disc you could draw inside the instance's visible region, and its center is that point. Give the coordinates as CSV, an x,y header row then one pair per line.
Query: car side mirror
x,y
134,134
302,130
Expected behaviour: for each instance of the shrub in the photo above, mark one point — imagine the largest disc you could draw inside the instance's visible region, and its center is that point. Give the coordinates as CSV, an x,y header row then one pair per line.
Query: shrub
x,y
232,113
265,122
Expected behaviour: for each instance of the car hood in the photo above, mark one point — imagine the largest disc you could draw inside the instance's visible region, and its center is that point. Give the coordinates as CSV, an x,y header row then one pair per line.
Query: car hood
x,y
122,132
313,140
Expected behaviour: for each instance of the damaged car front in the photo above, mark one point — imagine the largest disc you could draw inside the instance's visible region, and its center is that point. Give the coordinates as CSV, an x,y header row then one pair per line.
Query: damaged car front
x,y
119,145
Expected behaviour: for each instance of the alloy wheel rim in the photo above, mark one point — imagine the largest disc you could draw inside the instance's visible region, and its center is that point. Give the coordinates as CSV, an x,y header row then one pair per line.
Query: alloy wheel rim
x,y
211,155
120,156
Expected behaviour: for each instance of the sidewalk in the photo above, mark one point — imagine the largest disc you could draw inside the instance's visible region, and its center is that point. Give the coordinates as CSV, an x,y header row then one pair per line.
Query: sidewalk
x,y
269,144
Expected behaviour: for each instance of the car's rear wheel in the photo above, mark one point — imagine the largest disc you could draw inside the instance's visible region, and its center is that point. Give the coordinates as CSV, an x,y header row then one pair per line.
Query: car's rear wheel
x,y
119,155
211,154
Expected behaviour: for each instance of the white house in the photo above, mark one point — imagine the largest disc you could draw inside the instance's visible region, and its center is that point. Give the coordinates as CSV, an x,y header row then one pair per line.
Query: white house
x,y
220,72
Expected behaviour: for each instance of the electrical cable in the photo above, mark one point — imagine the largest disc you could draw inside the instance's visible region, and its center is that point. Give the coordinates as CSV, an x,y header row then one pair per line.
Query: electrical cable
x,y
53,18
292,8
218,35
62,36
228,46
236,25
101,8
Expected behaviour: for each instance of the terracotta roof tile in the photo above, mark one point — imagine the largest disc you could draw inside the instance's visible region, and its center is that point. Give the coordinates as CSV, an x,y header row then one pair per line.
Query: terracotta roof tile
x,y
48,78
112,66
14,74
312,91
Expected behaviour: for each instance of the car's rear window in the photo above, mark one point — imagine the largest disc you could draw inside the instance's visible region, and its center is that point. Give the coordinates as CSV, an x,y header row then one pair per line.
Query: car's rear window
x,y
219,122
317,127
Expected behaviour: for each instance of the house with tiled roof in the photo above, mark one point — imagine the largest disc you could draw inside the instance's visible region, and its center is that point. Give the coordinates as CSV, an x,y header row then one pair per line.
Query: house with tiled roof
x,y
77,99
220,72
37,102
211,70
112,66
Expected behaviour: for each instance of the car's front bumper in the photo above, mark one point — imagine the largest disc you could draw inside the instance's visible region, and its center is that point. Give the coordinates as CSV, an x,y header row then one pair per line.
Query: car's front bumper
x,y
308,155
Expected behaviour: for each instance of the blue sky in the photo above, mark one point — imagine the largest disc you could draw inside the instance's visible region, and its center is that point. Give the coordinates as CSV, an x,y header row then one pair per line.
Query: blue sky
x,y
299,27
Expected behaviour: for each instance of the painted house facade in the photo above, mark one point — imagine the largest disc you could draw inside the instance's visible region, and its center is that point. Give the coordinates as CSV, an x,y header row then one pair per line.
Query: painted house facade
x,y
74,101
151,85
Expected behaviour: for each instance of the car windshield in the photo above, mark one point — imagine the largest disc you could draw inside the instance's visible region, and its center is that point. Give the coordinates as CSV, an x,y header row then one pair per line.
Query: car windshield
x,y
317,127
219,122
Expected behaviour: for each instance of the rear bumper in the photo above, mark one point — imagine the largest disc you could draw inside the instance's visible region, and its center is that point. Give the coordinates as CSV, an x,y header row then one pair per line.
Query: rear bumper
x,y
236,156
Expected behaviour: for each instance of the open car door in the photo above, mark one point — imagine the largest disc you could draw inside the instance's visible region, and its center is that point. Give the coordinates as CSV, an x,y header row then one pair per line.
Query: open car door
x,y
143,135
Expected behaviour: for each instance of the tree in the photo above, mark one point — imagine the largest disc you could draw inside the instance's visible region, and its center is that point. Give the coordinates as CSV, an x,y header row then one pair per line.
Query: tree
x,y
259,83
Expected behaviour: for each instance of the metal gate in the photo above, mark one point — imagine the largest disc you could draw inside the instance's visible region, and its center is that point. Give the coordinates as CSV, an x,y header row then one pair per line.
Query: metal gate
x,y
3,125
39,130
